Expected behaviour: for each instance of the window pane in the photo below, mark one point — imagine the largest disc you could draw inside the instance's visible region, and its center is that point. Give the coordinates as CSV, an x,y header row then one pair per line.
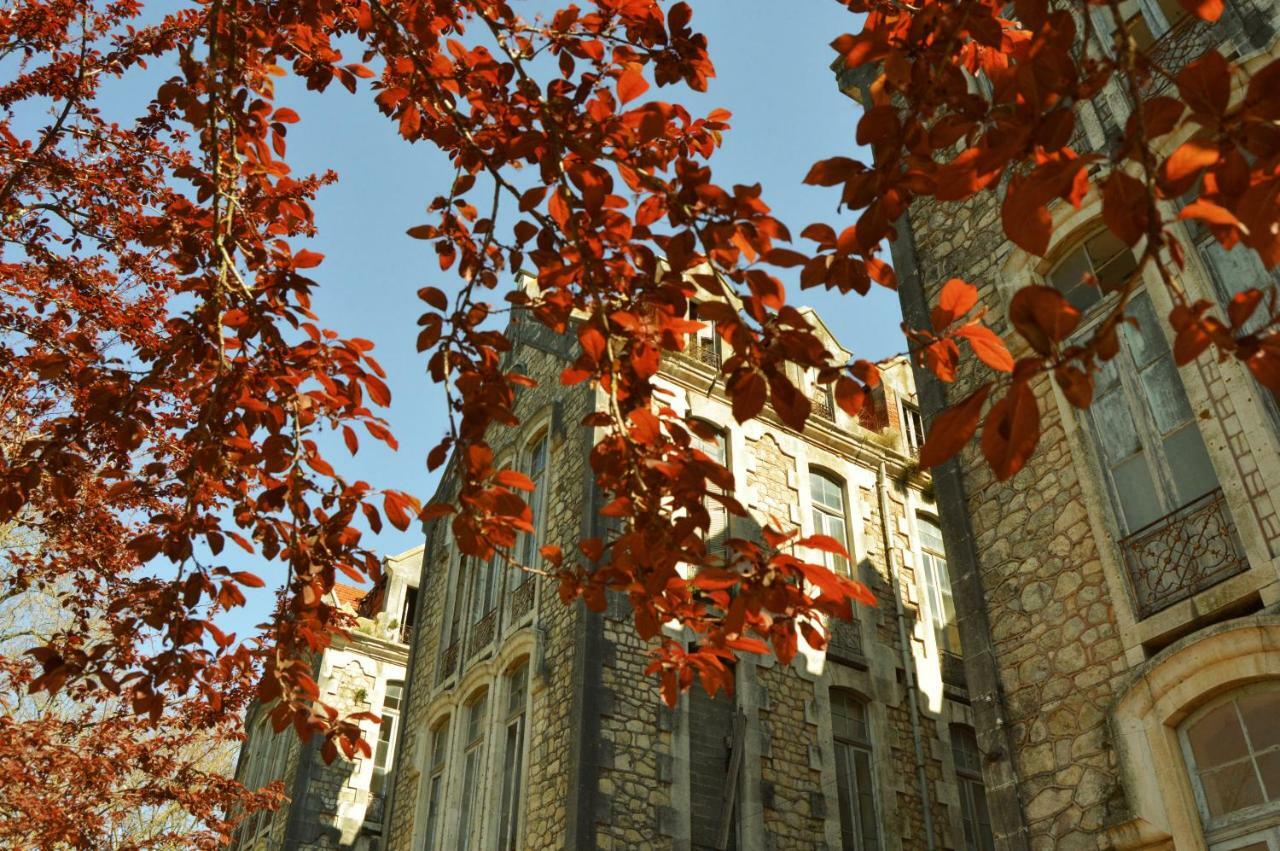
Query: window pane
x,y
1269,768
846,793
1136,493
826,492
1217,738
1165,395
1068,278
1114,426
433,812
1262,719
1112,271
512,791
1231,788
1146,342
867,819
1188,459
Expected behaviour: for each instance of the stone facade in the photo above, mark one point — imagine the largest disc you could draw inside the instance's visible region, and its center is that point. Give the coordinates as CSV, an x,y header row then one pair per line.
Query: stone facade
x,y
338,805
604,763
1092,647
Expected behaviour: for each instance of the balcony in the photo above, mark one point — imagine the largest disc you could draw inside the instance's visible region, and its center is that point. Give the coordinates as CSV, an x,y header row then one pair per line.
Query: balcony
x,y
844,641
449,661
823,408
703,350
482,633
1182,554
953,674
522,599
1187,40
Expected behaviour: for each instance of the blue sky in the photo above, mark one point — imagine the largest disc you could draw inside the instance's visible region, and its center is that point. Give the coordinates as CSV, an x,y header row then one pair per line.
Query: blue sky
x,y
772,61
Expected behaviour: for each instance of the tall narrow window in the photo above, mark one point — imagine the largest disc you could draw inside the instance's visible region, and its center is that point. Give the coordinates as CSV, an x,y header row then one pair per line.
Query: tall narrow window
x,y
408,613
536,470
472,777
718,532
859,824
827,495
704,344
973,795
1149,443
937,584
912,427
716,734
484,587
513,760
435,782
388,730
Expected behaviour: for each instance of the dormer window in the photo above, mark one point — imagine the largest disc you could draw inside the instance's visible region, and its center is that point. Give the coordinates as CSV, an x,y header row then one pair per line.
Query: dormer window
x,y
704,344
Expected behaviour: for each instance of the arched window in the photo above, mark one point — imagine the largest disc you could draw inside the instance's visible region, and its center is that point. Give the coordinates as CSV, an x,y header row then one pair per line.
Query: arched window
x,y
855,784
512,806
937,585
827,495
1232,747
1146,434
535,467
435,781
477,719
388,731
973,795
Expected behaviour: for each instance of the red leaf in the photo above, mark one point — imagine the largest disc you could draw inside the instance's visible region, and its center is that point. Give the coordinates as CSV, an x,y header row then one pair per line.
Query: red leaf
x,y
1025,218
953,428
988,346
1011,431
1242,306
1042,316
514,479
631,84
1208,10
824,543
749,392
247,579
1124,206
956,299
1206,83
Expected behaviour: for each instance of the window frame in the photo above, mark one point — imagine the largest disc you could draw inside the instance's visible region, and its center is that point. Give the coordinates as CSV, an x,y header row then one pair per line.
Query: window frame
x,y
473,744
836,564
970,784
935,572
395,715
913,430
1136,403
865,747
527,544
1255,818
719,451
512,794
436,786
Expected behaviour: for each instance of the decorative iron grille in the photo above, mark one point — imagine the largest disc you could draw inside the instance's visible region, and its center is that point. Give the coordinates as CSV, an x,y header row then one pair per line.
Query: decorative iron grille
x,y
377,806
482,633
522,600
953,670
703,351
449,662
844,640
1185,42
822,407
1183,553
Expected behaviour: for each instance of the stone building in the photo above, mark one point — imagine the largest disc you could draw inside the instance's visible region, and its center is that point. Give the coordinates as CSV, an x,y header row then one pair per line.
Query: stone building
x,y
1118,598
342,804
529,724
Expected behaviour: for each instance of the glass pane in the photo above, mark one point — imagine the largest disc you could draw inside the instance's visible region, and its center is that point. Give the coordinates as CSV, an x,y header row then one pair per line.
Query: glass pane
x,y
1193,472
1236,271
1113,424
1262,719
964,746
1165,395
1145,343
1113,272
1269,768
867,819
468,793
1231,788
1068,278
845,793
848,717
1217,738
1136,493
516,694
930,535
433,813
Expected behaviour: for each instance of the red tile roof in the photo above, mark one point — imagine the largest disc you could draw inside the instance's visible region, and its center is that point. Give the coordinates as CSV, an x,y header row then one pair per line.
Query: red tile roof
x,y
349,595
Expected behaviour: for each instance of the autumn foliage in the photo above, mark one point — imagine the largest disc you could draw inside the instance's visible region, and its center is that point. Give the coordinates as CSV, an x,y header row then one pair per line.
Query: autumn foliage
x,y
173,379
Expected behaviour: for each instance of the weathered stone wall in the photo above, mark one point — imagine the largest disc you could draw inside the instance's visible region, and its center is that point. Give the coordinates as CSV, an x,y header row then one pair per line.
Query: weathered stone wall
x,y
1047,603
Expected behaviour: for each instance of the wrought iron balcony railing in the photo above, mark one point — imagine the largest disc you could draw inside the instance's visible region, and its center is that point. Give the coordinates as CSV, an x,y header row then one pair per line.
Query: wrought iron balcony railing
x,y
522,600
844,640
822,407
1182,554
1186,41
953,670
704,351
449,661
482,633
